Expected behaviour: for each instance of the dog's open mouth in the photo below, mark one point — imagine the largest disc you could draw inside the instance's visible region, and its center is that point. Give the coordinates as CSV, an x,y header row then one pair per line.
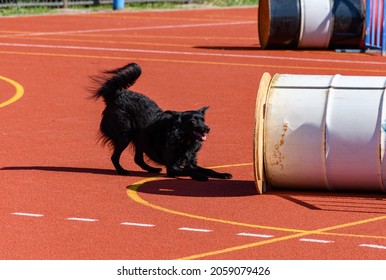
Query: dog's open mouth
x,y
201,136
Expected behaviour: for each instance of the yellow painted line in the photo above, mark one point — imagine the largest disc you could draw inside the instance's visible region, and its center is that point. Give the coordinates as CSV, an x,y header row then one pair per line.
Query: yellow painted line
x,y
136,35
279,239
132,192
259,66
179,19
233,165
106,42
14,35
353,235
243,247
14,32
19,92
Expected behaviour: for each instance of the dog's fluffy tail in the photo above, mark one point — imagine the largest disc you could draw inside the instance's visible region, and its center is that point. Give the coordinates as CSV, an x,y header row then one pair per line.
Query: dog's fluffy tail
x,y
114,80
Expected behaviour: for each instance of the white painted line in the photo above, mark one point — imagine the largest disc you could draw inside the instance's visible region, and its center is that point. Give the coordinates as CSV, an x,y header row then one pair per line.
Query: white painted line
x,y
137,224
195,229
373,246
128,29
194,53
255,235
27,214
315,240
82,219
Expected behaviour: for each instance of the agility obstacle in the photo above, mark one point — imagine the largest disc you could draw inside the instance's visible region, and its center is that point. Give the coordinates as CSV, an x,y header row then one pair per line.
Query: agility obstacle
x,y
311,24
118,4
322,24
320,133
375,38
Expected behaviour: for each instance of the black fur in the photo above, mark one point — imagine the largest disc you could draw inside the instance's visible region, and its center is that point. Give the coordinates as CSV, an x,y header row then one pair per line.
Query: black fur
x,y
167,137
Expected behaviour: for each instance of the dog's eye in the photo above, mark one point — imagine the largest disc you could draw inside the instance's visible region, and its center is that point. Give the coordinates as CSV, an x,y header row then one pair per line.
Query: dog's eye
x,y
197,120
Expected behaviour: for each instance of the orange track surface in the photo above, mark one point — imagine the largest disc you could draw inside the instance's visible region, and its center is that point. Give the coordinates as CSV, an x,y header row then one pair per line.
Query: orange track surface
x,y
60,197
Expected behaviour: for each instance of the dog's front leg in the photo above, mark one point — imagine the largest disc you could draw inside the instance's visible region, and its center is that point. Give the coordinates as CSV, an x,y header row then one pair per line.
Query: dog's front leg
x,y
213,174
175,171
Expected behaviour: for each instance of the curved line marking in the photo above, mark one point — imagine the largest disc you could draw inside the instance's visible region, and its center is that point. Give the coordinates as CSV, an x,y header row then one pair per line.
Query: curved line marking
x,y
133,194
19,92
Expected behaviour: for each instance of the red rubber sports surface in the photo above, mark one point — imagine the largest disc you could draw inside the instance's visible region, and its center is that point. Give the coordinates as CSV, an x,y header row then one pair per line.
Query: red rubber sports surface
x,y
60,197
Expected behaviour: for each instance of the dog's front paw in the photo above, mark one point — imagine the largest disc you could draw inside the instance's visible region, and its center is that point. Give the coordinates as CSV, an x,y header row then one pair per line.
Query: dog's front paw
x,y
226,176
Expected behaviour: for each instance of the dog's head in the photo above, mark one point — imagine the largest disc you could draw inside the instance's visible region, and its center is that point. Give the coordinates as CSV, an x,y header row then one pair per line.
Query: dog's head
x,y
193,122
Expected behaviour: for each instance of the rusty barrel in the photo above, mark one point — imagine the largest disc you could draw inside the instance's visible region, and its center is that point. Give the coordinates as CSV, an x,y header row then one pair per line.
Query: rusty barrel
x,y
320,132
279,23
310,24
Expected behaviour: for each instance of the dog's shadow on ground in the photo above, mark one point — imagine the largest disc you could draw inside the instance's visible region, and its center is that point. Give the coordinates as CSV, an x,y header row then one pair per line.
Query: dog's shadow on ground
x,y
163,186
97,171
361,202
191,188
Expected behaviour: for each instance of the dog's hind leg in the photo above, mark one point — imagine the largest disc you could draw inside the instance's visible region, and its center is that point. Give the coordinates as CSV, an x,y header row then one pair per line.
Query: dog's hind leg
x,y
119,147
138,158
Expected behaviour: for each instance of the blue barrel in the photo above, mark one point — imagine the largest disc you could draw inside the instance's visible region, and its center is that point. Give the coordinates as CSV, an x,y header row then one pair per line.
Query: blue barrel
x,y
118,4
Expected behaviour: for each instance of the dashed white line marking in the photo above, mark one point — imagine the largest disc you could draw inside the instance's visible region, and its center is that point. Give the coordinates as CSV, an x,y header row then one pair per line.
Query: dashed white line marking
x,y
373,246
195,229
82,219
315,240
27,214
137,224
255,235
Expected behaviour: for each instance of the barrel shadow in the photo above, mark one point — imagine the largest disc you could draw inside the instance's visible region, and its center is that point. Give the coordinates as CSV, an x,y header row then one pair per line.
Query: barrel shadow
x,y
360,202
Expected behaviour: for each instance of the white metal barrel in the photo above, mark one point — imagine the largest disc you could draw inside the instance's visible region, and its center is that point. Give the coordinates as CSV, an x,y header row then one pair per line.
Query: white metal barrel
x,y
316,23
320,132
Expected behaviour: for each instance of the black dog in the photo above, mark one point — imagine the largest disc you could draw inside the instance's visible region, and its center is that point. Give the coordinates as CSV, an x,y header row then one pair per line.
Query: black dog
x,y
167,137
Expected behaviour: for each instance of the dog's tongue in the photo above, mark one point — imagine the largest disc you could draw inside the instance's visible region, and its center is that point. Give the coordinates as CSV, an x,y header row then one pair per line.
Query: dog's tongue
x,y
200,135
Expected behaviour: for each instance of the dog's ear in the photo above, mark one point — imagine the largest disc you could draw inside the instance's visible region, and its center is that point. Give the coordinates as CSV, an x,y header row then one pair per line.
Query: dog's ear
x,y
203,109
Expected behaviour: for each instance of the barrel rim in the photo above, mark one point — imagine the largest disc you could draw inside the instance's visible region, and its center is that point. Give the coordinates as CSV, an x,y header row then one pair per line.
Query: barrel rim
x,y
258,139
